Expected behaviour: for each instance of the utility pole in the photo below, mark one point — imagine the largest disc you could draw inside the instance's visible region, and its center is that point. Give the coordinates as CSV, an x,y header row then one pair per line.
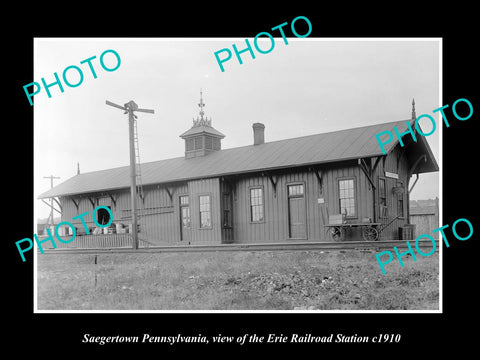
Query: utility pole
x,y
50,217
129,108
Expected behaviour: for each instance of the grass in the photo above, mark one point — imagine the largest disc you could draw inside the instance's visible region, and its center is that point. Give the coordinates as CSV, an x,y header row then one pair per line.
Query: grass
x,y
264,280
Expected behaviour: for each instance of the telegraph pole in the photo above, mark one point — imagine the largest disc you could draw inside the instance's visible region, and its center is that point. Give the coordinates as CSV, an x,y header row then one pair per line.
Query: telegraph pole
x,y
129,108
133,179
50,217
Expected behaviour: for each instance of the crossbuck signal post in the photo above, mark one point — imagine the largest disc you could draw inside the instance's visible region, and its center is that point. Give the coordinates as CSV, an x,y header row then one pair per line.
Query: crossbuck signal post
x,y
129,109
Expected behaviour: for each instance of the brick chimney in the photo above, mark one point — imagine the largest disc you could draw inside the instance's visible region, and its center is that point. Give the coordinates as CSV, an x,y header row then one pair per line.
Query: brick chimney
x,y
258,133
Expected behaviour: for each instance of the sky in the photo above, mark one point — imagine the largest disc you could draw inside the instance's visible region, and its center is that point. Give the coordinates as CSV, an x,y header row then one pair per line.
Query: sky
x,y
309,86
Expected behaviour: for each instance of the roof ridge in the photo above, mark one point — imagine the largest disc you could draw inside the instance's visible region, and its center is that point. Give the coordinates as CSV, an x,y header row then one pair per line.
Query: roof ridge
x,y
311,135
250,145
304,150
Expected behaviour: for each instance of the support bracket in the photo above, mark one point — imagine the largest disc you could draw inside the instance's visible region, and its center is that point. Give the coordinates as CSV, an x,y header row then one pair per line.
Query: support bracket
x,y
273,180
53,207
58,203
319,175
114,201
367,171
92,201
169,191
376,163
413,185
75,203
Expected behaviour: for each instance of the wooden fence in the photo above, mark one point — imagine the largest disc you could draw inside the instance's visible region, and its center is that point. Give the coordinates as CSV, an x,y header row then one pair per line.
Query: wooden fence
x,y
95,241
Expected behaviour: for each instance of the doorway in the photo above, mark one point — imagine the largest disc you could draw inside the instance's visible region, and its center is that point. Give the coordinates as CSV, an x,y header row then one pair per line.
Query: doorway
x,y
184,218
297,219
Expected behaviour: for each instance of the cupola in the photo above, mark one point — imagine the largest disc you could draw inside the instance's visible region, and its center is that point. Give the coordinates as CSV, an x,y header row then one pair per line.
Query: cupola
x,y
201,139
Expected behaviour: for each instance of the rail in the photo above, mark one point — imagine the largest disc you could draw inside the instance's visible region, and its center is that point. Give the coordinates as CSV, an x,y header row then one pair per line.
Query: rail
x,y
346,245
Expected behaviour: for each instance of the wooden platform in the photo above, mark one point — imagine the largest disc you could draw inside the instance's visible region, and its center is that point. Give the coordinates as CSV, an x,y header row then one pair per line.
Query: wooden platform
x,y
346,245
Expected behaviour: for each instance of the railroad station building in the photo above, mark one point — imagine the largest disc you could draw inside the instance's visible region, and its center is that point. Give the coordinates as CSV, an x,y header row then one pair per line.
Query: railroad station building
x,y
264,192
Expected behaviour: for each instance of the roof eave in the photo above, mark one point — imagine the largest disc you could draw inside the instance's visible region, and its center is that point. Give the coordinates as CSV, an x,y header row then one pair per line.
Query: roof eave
x,y
45,195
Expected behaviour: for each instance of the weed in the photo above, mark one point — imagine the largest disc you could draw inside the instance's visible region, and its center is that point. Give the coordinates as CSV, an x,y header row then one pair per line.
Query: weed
x,y
233,281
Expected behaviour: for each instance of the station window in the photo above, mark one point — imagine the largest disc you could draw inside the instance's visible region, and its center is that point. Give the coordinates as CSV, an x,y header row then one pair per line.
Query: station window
x,y
400,208
346,189
205,211
185,211
256,204
227,210
382,197
295,190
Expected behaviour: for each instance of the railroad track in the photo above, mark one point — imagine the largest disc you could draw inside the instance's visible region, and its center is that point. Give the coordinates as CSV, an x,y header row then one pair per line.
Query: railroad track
x,y
345,245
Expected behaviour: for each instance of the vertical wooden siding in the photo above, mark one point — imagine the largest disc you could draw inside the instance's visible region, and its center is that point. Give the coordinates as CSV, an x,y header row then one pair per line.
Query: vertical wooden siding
x,y
274,228
227,189
159,218
363,195
162,224
425,224
211,235
397,165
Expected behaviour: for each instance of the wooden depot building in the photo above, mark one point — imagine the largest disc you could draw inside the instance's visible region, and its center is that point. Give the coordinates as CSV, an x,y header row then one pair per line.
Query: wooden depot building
x,y
267,192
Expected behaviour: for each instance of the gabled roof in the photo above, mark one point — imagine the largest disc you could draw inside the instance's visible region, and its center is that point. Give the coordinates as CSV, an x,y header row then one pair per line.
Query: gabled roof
x,y
306,150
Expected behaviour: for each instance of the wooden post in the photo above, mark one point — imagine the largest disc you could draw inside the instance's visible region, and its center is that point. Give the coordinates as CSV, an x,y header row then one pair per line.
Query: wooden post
x,y
133,185
129,108
50,217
